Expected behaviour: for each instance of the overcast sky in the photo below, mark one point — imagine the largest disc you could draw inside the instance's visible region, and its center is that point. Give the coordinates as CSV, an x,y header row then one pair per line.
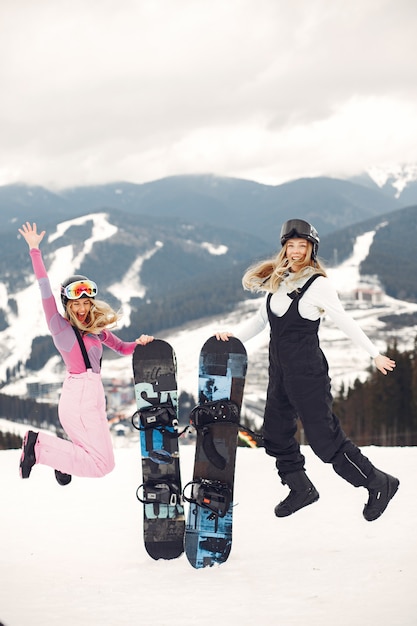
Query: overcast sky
x,y
96,91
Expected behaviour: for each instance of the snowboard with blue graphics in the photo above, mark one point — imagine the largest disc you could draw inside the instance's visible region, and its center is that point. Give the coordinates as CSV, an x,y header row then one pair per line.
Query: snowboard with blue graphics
x,y
222,371
156,418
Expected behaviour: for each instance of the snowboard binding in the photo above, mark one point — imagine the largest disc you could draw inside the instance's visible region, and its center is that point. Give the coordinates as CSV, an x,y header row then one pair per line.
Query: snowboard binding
x,y
213,495
204,416
160,416
221,411
159,492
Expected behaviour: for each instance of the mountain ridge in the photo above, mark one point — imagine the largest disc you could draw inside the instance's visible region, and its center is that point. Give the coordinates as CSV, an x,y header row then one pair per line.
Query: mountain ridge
x,y
165,271
242,205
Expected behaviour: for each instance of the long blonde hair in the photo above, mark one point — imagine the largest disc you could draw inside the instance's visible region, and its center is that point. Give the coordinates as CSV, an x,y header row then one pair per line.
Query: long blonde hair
x,y
99,317
267,275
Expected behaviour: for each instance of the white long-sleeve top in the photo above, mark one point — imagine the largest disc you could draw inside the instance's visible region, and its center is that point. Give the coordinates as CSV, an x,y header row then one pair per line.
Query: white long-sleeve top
x,y
321,297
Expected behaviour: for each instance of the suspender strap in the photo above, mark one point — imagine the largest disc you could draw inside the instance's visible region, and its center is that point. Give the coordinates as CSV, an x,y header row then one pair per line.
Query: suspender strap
x,y
82,347
298,293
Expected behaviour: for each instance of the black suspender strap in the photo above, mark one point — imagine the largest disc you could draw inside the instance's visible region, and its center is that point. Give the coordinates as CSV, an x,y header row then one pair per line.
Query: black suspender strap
x,y
82,347
298,293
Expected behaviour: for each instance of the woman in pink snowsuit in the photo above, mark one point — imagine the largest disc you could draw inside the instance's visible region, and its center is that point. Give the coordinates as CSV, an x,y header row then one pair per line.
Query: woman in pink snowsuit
x,y
81,408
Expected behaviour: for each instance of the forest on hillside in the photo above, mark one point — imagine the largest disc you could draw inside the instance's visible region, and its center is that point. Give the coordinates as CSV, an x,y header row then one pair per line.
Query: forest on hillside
x,y
27,411
382,410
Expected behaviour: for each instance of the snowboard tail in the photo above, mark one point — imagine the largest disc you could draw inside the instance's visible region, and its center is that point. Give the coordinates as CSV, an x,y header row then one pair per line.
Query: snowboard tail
x,y
156,418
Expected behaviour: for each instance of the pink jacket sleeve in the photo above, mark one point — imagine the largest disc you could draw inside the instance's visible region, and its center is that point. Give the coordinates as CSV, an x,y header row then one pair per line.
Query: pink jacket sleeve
x,y
55,321
116,344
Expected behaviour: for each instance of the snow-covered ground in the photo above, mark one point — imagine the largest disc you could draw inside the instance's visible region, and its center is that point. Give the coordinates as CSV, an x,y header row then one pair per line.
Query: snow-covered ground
x,y
74,555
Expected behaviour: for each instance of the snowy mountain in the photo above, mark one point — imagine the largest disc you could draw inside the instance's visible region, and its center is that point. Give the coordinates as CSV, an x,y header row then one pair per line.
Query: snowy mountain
x,y
397,178
363,297
241,205
397,181
140,269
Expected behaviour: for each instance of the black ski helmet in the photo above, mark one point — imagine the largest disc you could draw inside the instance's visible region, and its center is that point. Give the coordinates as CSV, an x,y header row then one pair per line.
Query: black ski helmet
x,y
301,229
68,281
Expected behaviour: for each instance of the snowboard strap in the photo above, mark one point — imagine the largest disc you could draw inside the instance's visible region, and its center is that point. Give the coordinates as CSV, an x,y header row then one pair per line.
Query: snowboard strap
x,y
204,416
226,412
213,495
162,418
220,412
251,436
159,492
82,347
159,416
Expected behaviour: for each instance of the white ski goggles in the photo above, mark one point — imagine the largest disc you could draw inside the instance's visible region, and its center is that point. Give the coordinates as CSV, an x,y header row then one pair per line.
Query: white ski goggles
x,y
80,288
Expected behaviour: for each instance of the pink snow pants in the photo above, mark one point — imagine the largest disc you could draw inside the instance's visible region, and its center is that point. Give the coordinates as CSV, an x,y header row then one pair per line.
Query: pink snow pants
x,y
82,413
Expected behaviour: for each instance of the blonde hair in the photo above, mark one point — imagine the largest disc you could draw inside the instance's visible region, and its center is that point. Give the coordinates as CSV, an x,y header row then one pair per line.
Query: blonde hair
x,y
267,275
99,317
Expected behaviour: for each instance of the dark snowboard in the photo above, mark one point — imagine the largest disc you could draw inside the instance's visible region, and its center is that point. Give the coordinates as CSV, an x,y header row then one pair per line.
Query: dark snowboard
x,y
154,370
222,371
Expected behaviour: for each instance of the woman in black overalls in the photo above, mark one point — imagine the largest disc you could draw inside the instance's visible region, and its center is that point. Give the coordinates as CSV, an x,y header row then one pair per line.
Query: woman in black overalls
x,y
299,384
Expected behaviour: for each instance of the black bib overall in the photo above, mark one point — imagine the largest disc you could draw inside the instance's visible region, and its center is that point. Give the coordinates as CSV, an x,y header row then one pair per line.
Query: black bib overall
x,y
299,387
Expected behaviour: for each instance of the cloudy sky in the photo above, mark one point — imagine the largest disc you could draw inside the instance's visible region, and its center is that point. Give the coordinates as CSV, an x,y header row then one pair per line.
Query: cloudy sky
x,y
97,91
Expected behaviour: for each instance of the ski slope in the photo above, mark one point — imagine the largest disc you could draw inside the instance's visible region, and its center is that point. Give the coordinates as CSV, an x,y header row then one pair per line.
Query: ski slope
x,y
74,555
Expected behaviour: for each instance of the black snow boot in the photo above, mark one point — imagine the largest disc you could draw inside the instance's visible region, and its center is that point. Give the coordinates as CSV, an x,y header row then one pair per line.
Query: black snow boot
x,y
302,493
28,458
382,487
62,478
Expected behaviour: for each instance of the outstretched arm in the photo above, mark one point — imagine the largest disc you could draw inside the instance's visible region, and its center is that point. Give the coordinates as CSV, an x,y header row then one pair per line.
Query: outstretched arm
x,y
30,234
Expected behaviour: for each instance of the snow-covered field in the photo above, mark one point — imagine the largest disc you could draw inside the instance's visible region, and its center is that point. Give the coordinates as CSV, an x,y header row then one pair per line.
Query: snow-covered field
x,y
74,555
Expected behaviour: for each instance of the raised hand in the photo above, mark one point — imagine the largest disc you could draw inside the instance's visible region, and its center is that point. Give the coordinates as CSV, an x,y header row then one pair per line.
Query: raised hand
x,y
30,234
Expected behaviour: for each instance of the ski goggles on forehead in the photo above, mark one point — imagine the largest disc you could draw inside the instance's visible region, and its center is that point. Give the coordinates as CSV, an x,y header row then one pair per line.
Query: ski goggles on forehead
x,y
75,290
298,228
